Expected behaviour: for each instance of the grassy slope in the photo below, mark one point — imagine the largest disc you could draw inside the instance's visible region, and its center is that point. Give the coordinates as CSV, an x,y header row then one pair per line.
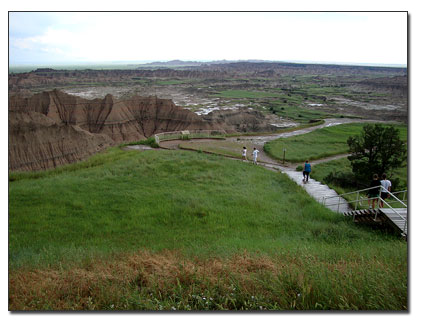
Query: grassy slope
x,y
157,199
202,207
320,143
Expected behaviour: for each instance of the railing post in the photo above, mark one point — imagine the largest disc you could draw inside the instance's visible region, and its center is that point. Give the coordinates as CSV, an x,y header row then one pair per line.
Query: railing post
x,y
356,201
339,202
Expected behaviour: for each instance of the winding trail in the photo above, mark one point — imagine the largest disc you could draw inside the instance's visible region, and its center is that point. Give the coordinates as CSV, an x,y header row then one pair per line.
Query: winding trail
x,y
314,188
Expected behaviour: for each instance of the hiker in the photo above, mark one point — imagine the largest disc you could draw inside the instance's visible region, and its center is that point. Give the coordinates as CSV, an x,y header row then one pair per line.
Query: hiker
x,y
306,171
255,153
374,192
386,183
244,154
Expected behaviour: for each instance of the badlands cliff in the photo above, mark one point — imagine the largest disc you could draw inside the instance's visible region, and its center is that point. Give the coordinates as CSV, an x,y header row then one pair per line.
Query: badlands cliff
x,y
54,128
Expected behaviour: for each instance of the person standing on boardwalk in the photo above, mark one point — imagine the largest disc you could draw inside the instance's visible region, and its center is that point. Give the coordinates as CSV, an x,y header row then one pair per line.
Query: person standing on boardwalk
x,y
255,153
306,171
373,193
386,183
244,154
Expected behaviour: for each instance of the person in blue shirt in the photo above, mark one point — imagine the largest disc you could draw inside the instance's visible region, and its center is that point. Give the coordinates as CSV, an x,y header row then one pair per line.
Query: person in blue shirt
x,y
306,171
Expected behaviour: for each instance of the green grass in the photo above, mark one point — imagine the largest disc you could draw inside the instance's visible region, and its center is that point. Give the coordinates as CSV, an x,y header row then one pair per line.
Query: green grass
x,y
224,147
299,113
210,210
282,130
320,171
171,82
233,148
151,141
154,199
320,143
254,95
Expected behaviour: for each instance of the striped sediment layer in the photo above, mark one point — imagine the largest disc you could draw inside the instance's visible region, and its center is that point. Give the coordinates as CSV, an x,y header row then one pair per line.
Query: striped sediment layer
x,y
54,128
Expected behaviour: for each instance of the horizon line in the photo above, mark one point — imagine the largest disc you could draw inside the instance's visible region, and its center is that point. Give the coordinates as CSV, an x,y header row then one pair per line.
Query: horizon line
x,y
144,62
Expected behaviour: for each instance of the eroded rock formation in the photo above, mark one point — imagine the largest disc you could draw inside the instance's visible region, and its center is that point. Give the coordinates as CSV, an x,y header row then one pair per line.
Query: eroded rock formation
x,y
243,120
54,128
39,142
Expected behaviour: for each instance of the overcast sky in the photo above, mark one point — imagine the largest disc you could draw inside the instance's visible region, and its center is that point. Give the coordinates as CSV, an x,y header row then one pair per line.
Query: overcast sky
x,y
375,38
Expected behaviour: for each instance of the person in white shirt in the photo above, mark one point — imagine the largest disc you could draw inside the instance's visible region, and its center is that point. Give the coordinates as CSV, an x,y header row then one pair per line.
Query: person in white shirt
x,y
244,154
387,186
255,153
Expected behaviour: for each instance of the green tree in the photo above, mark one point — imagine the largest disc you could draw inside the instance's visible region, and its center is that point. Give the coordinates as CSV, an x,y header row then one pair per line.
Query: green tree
x,y
377,149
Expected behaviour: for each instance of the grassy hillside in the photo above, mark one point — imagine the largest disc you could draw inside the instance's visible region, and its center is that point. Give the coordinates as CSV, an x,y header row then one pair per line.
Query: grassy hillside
x,y
159,200
129,230
320,143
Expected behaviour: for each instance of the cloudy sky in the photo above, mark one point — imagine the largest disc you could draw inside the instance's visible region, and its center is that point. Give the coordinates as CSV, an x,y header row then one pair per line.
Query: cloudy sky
x,y
352,37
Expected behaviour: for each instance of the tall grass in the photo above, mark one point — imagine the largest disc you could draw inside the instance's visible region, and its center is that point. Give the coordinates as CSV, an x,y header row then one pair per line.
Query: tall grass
x,y
154,199
75,238
170,281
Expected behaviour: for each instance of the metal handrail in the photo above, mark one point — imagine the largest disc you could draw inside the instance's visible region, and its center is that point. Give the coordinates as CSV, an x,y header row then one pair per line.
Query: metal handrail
x,y
165,136
403,191
366,189
357,200
391,194
353,192
323,201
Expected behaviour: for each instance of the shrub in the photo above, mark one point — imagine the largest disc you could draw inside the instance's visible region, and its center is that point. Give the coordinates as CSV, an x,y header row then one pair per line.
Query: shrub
x,y
341,179
151,141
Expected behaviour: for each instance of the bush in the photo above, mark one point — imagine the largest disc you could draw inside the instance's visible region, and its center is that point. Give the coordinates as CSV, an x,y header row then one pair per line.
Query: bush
x,y
151,141
397,184
341,179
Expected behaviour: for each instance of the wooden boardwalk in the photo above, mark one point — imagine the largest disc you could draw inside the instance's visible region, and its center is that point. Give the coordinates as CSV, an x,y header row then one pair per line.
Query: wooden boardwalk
x,y
320,191
396,217
314,188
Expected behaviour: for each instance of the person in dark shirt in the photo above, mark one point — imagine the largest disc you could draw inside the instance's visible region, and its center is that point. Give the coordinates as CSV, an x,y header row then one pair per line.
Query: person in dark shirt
x,y
373,194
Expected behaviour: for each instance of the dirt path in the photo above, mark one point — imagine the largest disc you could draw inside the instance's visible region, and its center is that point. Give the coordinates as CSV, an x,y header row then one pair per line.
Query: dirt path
x,y
259,141
317,190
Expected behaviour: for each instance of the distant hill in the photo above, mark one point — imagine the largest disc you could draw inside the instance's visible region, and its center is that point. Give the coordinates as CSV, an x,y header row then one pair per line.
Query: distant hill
x,y
173,63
